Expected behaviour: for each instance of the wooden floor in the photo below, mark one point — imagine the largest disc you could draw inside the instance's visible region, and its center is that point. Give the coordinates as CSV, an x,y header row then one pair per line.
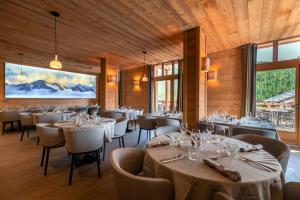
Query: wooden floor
x,y
21,176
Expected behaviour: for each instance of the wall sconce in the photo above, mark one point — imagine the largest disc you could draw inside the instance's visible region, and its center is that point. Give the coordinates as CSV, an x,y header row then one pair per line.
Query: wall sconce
x,y
136,83
212,75
205,64
112,78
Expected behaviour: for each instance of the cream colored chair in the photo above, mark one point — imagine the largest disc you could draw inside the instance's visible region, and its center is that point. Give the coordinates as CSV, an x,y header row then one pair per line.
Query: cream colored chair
x,y
166,129
26,123
289,191
83,141
147,123
222,130
161,121
127,163
274,147
50,137
265,133
9,117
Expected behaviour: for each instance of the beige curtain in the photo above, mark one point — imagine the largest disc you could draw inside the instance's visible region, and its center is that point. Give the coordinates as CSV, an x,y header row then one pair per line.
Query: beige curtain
x,y
249,78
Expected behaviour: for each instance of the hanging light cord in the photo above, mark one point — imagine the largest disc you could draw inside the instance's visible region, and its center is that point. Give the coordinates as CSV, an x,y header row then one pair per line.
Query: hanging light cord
x,y
21,64
55,36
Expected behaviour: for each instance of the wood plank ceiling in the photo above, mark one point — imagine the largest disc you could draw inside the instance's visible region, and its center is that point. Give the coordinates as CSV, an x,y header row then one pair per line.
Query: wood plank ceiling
x,y
121,29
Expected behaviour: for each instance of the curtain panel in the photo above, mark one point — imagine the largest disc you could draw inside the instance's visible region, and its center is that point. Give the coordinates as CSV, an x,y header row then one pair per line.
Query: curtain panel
x,y
249,52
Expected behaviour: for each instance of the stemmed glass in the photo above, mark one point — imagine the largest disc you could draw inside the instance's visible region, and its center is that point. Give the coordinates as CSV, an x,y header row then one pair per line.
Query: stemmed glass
x,y
210,128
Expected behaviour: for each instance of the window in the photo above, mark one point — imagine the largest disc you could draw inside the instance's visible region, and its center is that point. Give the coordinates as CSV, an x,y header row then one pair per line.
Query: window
x,y
289,51
165,90
264,54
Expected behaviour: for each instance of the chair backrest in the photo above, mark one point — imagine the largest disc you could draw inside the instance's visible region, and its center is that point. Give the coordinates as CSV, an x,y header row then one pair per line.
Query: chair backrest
x,y
166,129
81,140
120,127
104,113
26,119
48,118
93,110
221,196
49,135
291,191
118,116
147,122
274,147
265,133
161,121
222,130
9,116
81,110
202,126
127,163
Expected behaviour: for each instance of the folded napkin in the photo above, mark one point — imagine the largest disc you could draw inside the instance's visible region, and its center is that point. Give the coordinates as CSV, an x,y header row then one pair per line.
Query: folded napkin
x,y
232,175
250,148
158,141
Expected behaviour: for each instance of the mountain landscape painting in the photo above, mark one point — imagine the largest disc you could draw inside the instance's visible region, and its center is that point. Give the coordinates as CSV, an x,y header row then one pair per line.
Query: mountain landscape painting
x,y
33,82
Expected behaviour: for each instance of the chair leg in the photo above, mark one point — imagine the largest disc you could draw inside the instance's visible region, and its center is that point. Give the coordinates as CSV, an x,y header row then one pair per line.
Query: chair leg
x,y
11,125
103,154
43,156
47,159
22,134
120,146
98,163
134,124
139,136
123,144
3,127
38,140
71,170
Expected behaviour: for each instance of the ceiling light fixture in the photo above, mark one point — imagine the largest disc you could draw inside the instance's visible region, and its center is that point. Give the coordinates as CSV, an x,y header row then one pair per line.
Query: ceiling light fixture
x,y
56,64
145,78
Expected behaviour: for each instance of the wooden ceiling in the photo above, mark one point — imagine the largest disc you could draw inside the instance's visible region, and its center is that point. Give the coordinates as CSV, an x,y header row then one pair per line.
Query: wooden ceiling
x,y
121,29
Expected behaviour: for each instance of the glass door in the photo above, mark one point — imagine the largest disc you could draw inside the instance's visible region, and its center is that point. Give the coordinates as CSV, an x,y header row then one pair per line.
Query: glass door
x,y
277,101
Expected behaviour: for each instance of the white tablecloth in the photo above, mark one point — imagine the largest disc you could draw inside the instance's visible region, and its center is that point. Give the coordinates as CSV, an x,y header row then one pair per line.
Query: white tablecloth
x,y
64,115
107,123
195,180
131,114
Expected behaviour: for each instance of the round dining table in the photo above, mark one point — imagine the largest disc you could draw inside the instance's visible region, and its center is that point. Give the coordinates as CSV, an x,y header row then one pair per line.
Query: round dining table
x,y
196,180
64,115
107,123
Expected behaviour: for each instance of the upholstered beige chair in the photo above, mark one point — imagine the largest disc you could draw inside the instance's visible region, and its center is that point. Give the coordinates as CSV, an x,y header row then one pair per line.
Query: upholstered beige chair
x,y
82,141
222,130
9,117
127,163
265,133
26,123
289,191
50,137
93,110
147,123
276,148
221,196
161,121
118,116
104,113
166,129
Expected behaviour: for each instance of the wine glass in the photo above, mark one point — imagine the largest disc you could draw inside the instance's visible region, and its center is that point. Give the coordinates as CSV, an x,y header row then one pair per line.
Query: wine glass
x,y
210,128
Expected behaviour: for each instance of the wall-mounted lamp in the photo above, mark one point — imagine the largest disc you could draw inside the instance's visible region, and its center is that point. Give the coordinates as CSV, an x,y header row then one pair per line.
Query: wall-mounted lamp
x,y
112,78
212,75
205,64
136,83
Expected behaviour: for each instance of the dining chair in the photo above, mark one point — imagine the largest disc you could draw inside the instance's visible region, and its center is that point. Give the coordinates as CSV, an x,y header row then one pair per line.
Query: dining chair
x,y
118,116
120,130
202,126
93,110
222,130
50,137
162,121
84,141
147,123
127,164
9,117
288,191
265,133
221,196
166,129
26,123
276,148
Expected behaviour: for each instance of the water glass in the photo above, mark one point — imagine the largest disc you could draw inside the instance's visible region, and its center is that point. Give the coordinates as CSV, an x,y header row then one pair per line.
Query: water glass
x,y
193,153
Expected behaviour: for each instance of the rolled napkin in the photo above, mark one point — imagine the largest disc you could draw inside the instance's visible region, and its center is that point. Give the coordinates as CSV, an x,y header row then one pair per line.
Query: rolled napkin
x,y
232,175
250,148
159,141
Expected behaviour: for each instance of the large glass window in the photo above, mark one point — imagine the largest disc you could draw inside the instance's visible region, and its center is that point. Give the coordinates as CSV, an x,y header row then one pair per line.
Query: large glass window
x,y
275,97
289,51
264,54
165,88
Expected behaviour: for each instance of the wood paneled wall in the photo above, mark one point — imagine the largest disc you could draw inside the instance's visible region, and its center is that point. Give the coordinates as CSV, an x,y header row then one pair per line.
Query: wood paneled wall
x,y
225,93
111,96
39,102
136,96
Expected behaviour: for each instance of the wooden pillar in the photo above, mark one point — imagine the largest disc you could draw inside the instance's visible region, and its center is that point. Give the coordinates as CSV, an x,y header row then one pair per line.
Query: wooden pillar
x,y
103,75
194,80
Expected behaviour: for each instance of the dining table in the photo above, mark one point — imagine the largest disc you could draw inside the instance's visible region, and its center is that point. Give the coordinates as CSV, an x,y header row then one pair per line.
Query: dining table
x,y
107,123
65,115
193,179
